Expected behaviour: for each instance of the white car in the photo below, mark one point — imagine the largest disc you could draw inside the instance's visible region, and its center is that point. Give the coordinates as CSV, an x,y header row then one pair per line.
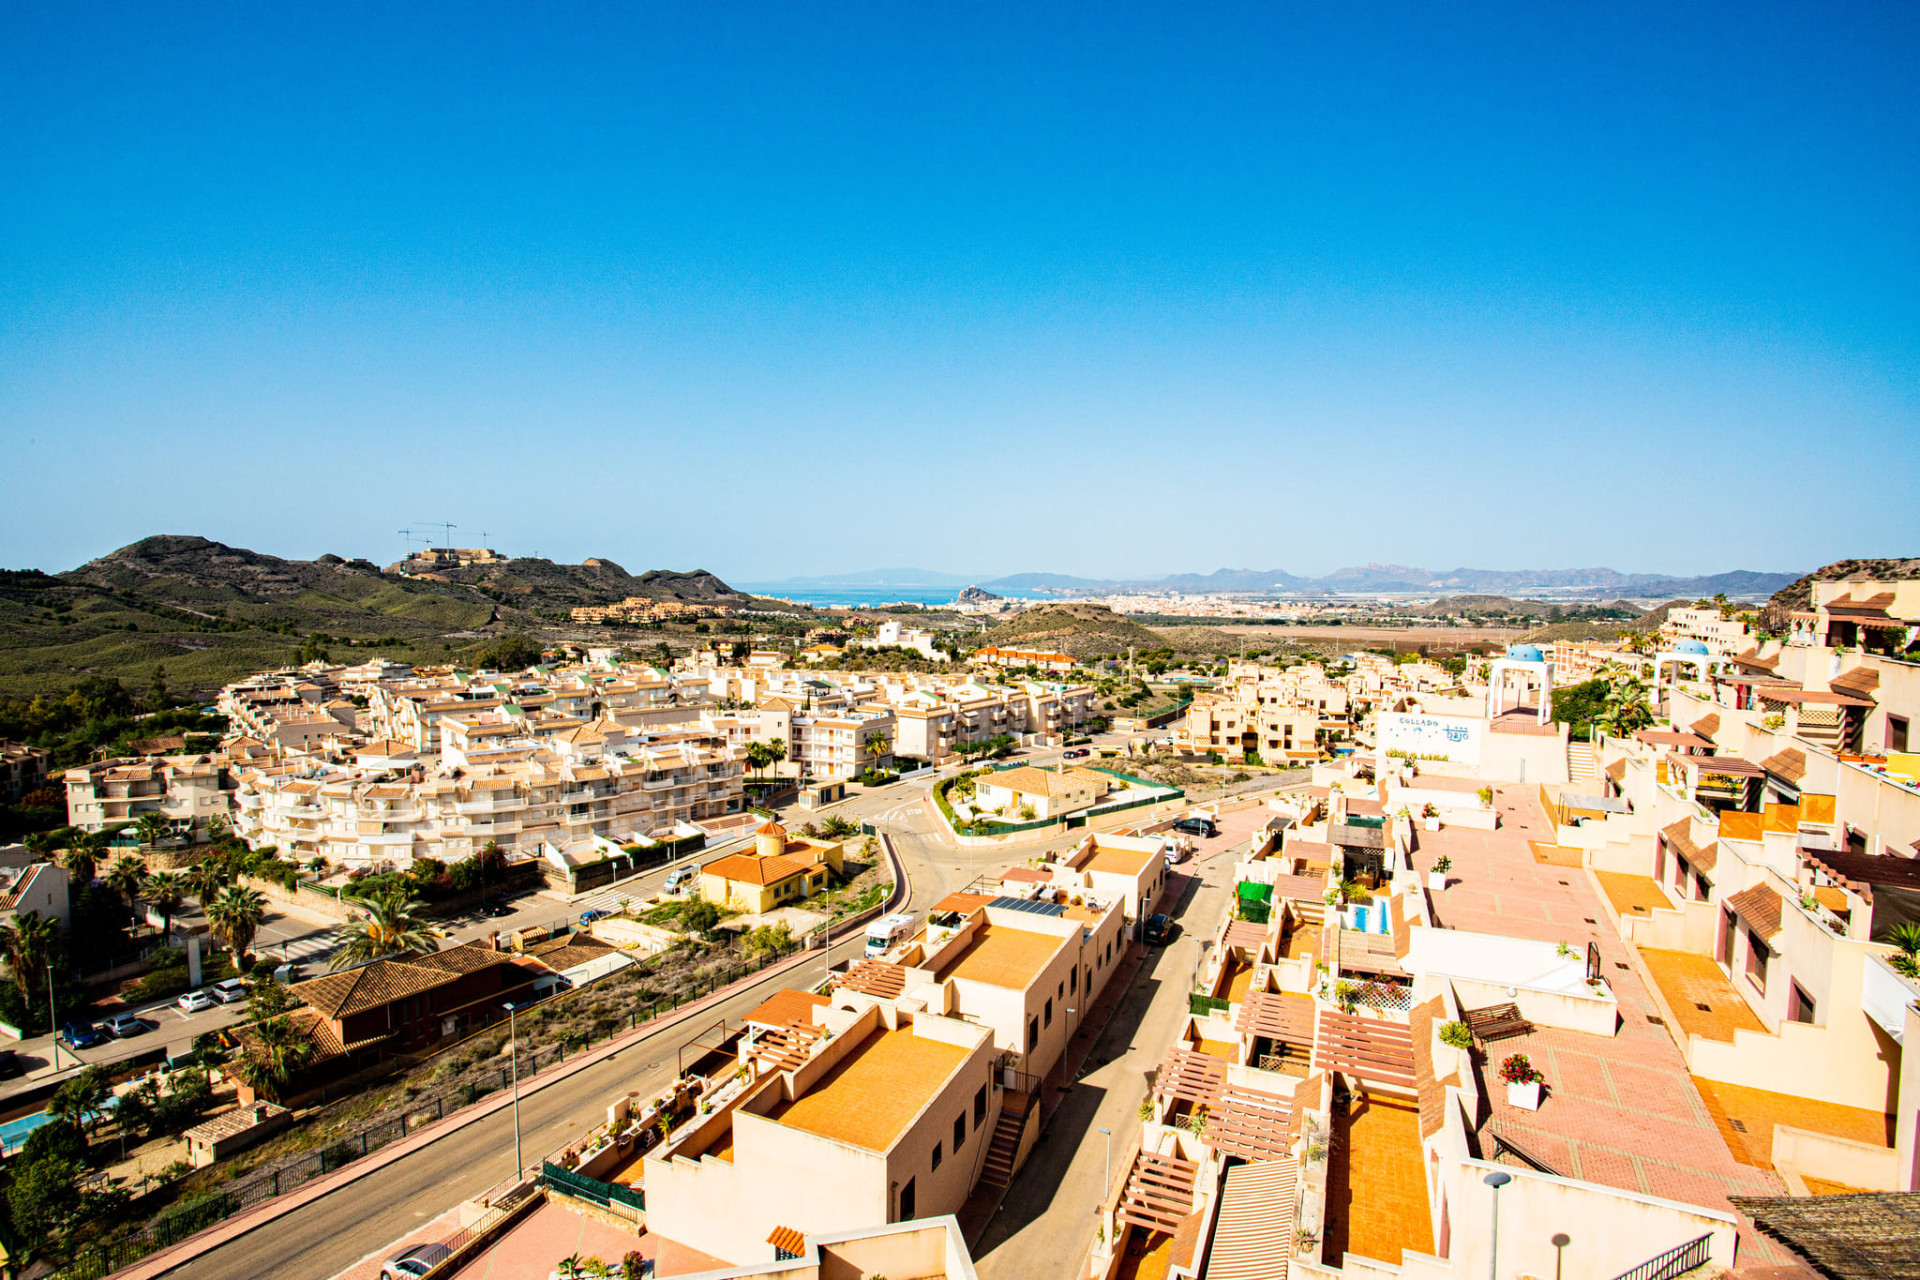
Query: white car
x,y
195,1001
680,877
230,991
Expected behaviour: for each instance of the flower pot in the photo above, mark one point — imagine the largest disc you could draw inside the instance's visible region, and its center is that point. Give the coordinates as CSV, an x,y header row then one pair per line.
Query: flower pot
x,y
1432,824
1525,1096
1437,881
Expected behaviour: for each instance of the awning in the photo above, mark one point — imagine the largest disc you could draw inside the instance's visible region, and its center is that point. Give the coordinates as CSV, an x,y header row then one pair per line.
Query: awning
x,y
1253,1236
1759,908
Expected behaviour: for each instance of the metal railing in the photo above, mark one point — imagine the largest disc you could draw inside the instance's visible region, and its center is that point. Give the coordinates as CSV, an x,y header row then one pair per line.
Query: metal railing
x,y
1679,1259
626,1202
1505,1147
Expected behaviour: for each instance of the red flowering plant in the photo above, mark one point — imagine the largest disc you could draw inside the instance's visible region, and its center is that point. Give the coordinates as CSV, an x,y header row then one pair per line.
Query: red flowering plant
x,y
1517,1070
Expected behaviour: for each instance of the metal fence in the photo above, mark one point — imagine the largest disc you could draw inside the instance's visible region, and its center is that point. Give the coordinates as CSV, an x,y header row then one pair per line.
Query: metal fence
x,y
189,1218
628,1202
1681,1258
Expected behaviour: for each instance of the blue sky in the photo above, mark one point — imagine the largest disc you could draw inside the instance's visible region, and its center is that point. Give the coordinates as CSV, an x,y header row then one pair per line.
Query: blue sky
x,y
1111,290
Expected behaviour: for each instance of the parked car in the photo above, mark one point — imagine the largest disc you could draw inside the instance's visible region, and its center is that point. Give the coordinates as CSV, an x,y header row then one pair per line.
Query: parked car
x,y
680,877
588,917
230,991
10,1065
1077,753
1159,930
124,1026
416,1261
1197,827
82,1035
497,908
195,1001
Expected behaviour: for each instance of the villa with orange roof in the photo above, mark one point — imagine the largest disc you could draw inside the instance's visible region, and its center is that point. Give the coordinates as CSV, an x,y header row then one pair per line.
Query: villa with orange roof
x,y
782,869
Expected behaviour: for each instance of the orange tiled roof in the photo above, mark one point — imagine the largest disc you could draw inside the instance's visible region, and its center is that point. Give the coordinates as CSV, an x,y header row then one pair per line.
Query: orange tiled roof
x,y
748,869
1760,907
1680,837
1790,764
369,987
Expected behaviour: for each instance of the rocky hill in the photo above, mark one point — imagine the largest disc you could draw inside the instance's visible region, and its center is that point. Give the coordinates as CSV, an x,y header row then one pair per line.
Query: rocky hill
x,y
1797,596
1084,630
210,612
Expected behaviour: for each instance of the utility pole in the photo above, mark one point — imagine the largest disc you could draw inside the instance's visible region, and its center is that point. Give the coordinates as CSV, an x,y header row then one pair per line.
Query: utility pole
x,y
53,1020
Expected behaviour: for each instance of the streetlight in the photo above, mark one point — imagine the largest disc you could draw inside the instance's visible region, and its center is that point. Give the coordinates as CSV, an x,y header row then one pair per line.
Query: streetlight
x,y
1496,1180
53,1021
1107,1187
513,1045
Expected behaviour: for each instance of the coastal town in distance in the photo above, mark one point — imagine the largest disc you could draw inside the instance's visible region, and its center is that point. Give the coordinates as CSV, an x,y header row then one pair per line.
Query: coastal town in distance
x,y
702,933
761,641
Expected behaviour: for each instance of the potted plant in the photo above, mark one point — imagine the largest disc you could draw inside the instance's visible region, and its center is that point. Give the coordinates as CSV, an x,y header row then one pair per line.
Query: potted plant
x,y
1430,815
1437,878
1523,1082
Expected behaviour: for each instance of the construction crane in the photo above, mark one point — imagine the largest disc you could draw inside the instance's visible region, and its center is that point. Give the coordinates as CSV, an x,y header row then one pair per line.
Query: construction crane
x,y
447,527
409,535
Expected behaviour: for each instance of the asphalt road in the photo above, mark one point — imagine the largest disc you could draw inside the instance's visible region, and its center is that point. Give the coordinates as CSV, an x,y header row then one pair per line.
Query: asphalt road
x,y
332,1233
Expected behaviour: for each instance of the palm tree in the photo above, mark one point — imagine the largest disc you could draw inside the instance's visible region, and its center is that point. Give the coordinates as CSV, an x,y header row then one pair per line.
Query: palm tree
x,y
776,750
390,927
127,878
1906,936
273,1052
82,1100
152,828
878,744
234,917
82,858
166,890
27,944
208,877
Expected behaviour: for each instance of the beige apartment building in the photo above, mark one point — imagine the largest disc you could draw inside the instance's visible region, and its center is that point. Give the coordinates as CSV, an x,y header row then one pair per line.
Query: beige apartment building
x,y
867,1115
190,792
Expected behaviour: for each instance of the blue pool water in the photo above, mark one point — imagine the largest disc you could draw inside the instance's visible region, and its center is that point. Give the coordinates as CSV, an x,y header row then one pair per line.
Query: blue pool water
x,y
13,1133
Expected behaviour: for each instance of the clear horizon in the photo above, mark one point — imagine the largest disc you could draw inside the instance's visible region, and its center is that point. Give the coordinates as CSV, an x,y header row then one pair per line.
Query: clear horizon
x,y
1114,293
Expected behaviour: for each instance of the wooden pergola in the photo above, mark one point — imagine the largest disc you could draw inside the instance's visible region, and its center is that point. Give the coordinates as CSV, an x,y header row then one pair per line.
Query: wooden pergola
x,y
1159,1192
1249,1124
1368,1048
1277,1016
1197,1079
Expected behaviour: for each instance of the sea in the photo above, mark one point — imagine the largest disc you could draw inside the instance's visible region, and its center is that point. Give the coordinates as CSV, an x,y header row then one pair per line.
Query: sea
x,y
825,597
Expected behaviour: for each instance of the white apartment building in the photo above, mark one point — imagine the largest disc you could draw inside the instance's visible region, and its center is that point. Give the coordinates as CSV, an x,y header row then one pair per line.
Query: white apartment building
x,y
188,791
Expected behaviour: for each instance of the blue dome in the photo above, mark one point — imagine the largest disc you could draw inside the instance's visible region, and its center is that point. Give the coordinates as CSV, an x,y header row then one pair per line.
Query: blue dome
x,y
1525,653
1690,646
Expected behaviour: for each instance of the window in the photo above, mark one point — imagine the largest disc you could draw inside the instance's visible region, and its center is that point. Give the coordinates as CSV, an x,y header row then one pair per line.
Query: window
x,y
1049,1013
1063,991
906,1202
1799,1004
1757,957
936,1155
959,1130
1033,1034
1896,733
980,1106
1073,979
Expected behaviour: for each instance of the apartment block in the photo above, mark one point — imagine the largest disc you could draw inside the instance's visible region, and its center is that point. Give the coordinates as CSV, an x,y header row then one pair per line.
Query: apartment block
x,y
190,792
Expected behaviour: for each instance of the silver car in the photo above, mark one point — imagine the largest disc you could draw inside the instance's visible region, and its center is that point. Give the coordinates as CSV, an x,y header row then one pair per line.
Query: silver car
x,y
415,1262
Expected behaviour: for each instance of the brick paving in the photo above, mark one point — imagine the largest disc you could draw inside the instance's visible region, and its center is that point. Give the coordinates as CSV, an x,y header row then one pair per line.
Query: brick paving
x,y
1620,1111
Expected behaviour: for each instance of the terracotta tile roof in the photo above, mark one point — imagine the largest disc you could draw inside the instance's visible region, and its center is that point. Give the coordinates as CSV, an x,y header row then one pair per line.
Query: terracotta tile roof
x,y
1760,907
1617,770
785,1007
469,957
1789,764
560,954
1706,726
1860,682
1752,658
748,869
1679,836
788,1241
1030,781
371,986
1862,872
1431,1093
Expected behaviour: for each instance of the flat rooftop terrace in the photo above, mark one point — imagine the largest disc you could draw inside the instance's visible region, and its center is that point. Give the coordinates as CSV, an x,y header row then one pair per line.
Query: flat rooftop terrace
x,y
1619,1110
871,1095
1376,1187
1002,955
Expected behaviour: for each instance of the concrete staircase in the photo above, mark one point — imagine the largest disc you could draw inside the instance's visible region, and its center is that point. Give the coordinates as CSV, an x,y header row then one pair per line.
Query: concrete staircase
x,y
1582,768
1004,1147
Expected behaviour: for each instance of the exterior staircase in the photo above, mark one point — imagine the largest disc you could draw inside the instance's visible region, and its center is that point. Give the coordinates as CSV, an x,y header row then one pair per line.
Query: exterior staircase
x,y
1004,1147
1582,769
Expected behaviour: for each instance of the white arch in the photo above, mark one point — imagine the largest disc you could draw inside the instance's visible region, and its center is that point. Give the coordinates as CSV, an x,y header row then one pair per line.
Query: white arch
x,y
1497,675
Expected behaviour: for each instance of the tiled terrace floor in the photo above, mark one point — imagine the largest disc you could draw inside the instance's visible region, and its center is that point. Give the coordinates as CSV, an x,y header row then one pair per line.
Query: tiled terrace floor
x,y
1239,978
1147,1256
1699,994
1376,1190
1622,1110
1632,895
1746,1118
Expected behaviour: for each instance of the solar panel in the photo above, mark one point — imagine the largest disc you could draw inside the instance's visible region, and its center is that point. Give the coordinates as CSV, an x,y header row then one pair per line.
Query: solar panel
x,y
1027,904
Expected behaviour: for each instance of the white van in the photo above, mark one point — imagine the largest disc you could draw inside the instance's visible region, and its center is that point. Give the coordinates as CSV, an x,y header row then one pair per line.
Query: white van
x,y
887,930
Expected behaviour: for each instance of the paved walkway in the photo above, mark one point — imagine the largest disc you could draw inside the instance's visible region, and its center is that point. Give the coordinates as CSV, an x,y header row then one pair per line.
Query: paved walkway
x,y
1620,1111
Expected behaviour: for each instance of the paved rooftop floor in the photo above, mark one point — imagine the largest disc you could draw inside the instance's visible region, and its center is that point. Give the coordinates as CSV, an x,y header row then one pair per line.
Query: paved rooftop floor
x,y
1621,1110
1701,997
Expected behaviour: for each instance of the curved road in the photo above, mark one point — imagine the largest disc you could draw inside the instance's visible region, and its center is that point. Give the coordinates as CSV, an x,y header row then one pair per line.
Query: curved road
x,y
332,1233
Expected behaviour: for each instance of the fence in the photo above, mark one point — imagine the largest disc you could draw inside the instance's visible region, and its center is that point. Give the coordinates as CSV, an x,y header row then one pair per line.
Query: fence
x,y
1201,1005
1694,1253
179,1222
627,1202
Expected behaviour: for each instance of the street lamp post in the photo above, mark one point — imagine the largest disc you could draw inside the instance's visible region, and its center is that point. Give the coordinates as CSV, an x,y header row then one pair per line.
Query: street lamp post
x,y
53,1022
1496,1180
1106,1188
513,1046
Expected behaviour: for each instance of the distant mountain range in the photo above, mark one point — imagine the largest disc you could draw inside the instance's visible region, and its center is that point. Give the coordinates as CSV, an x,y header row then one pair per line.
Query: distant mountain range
x,y
1366,579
